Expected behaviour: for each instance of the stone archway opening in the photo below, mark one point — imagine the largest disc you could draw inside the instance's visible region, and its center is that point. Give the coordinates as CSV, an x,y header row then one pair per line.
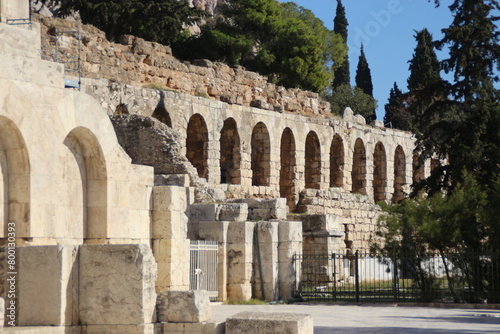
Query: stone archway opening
x,y
261,155
337,162
230,156
358,173
379,173
197,144
288,167
313,161
89,157
121,109
418,168
161,114
399,174
15,174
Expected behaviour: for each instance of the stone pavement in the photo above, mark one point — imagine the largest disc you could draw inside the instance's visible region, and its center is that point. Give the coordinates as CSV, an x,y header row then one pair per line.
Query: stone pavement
x,y
350,319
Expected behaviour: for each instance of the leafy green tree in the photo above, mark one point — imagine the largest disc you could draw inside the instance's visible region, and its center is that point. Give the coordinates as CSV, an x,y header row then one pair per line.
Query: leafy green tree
x,y
346,96
364,80
159,21
340,24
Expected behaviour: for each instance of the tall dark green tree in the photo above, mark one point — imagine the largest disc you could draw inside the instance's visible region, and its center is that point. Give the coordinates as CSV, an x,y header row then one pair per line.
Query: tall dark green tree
x,y
159,21
364,80
397,114
464,128
424,66
340,24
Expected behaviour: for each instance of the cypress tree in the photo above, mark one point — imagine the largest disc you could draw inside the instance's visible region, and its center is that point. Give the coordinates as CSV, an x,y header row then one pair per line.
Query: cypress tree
x,y
424,66
341,75
364,79
396,113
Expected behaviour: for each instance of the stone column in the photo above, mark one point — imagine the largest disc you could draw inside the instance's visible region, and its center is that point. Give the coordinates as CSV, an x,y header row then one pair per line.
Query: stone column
x,y
170,243
239,260
290,243
266,259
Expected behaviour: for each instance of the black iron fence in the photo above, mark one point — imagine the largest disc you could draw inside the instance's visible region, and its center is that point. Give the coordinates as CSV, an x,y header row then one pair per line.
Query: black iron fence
x,y
367,277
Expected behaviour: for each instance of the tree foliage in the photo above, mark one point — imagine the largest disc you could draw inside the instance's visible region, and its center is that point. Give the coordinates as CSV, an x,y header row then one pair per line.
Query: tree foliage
x,y
364,80
284,41
346,96
159,21
340,24
397,112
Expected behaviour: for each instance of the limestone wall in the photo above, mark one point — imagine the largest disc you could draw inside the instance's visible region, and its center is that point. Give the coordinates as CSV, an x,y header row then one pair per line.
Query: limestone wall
x,y
64,177
140,63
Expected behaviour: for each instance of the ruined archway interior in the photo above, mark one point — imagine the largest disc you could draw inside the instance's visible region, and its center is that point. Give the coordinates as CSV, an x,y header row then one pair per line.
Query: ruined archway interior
x,y
418,168
337,162
399,174
379,173
261,155
230,156
359,168
288,166
161,114
197,144
313,161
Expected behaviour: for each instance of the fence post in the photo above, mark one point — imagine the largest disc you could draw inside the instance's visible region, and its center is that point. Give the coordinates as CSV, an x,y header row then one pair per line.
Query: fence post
x,y
356,273
395,281
334,277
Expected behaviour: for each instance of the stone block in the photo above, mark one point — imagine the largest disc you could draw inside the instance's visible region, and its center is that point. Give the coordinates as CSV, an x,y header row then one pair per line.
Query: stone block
x,y
239,260
2,313
47,284
190,328
265,208
203,212
315,222
359,119
181,180
117,284
249,322
172,257
267,254
290,243
112,329
184,306
233,212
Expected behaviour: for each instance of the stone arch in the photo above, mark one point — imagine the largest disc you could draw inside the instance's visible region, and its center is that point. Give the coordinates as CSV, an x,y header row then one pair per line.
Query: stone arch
x,y
197,144
399,174
15,180
337,162
121,109
418,168
358,173
379,173
230,155
161,114
89,157
261,155
313,161
288,165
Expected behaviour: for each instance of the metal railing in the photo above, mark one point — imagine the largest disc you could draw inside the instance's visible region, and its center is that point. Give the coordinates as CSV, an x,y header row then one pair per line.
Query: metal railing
x,y
203,267
367,277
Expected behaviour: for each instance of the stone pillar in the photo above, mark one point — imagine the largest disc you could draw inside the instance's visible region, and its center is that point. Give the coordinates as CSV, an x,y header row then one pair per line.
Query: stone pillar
x,y
239,260
170,243
267,254
290,243
214,231
117,285
47,286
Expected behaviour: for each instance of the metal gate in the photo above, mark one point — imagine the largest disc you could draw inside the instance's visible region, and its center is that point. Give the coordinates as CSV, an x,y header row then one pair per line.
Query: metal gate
x,y
203,267
367,277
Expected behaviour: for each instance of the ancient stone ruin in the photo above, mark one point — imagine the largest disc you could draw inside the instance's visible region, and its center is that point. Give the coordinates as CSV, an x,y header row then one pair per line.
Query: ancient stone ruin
x,y
110,191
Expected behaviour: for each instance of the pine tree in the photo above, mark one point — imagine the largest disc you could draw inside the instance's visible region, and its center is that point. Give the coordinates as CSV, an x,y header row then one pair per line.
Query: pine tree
x,y
342,74
464,128
364,79
424,66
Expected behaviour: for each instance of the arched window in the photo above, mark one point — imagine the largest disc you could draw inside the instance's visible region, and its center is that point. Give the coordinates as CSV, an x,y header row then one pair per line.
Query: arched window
x,y
162,115
197,144
379,173
313,161
230,156
288,163
399,174
337,162
358,173
93,181
261,155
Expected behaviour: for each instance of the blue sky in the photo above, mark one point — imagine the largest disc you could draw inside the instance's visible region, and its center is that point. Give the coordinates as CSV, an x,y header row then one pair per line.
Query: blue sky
x,y
386,28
